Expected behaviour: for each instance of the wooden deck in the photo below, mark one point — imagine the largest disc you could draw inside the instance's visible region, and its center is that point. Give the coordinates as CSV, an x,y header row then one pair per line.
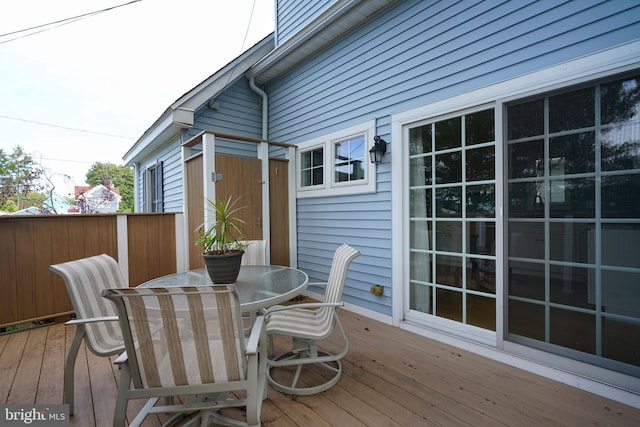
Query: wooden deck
x,y
392,378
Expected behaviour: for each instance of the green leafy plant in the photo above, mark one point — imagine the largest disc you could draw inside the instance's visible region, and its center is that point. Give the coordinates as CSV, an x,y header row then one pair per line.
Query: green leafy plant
x,y
225,235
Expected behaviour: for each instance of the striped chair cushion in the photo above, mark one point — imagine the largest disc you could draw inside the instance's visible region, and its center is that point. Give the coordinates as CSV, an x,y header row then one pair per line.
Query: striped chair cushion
x,y
317,323
85,279
255,253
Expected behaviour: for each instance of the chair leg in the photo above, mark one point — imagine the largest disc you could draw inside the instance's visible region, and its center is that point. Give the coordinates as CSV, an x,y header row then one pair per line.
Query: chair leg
x,y
270,346
254,403
120,411
304,353
69,367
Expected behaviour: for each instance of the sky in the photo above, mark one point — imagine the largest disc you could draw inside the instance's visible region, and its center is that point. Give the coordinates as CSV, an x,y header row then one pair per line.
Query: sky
x,y
83,91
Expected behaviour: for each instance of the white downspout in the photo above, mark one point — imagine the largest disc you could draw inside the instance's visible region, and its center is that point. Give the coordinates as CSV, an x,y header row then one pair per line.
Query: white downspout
x,y
265,107
263,154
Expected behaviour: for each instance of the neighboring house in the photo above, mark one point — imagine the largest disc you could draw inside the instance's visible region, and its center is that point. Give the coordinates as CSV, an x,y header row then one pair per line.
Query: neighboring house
x,y
32,210
503,216
56,204
97,199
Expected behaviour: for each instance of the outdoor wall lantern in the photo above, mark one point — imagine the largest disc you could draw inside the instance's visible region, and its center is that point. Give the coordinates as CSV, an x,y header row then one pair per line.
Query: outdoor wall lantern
x,y
378,150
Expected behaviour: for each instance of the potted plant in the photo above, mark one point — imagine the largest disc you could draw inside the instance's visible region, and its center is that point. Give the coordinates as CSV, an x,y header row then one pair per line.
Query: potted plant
x,y
221,242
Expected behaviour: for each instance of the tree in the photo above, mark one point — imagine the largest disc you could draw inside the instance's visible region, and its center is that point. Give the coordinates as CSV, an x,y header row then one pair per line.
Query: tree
x,y
19,176
10,206
111,175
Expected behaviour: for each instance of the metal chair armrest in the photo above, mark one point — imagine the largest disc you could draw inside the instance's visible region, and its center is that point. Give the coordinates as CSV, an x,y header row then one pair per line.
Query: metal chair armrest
x,y
91,320
277,308
121,359
256,335
317,284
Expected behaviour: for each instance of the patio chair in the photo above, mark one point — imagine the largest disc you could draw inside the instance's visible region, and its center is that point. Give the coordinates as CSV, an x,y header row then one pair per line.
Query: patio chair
x,y
255,253
96,319
188,342
306,324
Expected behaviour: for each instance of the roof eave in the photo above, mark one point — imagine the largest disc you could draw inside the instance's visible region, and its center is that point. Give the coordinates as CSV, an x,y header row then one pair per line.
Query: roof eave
x,y
180,114
169,124
337,20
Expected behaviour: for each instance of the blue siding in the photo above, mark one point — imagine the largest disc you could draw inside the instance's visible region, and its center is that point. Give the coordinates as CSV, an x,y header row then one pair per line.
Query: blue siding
x,y
414,53
444,48
172,177
292,15
171,174
239,112
324,224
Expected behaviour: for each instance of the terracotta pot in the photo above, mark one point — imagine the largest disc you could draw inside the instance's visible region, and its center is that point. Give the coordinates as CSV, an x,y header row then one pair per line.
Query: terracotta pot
x,y
223,268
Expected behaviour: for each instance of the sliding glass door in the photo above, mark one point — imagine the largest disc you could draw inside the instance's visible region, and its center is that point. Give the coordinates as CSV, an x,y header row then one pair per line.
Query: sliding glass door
x,y
452,219
573,209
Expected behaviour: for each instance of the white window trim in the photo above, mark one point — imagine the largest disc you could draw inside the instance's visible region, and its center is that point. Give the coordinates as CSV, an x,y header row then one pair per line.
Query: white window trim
x,y
311,147
148,189
330,187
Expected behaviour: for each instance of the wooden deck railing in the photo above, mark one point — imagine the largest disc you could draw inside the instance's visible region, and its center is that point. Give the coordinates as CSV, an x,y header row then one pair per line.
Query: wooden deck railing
x,y
145,245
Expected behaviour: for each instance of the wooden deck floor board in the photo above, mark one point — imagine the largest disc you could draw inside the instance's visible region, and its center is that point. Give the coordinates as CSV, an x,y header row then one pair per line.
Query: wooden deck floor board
x,y
25,383
349,394
296,410
54,357
272,415
391,378
368,387
10,361
83,401
103,388
502,393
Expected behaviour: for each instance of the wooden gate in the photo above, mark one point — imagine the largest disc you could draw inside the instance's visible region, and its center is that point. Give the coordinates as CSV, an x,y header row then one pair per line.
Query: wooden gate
x,y
240,177
242,180
195,207
279,211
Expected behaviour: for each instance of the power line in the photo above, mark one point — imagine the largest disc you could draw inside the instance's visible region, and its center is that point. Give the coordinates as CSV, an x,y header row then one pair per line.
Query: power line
x,y
244,40
59,23
66,127
67,160
246,33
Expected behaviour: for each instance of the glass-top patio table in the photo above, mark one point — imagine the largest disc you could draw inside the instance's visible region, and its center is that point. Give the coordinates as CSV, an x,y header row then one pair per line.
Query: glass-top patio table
x,y
258,286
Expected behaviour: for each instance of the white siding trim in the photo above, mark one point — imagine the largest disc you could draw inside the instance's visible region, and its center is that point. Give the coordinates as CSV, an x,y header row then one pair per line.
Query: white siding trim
x,y
400,230
184,155
263,155
208,169
123,246
137,200
182,261
293,218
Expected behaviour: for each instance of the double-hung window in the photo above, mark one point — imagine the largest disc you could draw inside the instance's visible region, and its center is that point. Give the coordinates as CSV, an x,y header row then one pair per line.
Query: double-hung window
x,y
153,189
337,163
